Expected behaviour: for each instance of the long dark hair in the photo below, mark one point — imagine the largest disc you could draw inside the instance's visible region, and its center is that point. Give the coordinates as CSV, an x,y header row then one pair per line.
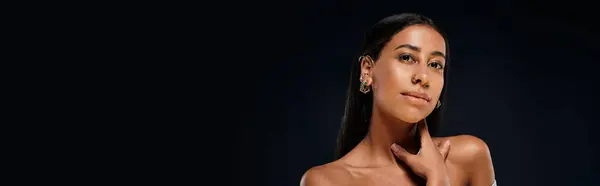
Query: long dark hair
x,y
357,115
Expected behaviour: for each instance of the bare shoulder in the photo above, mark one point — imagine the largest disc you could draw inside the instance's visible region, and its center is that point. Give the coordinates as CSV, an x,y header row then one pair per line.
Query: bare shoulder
x,y
470,152
324,175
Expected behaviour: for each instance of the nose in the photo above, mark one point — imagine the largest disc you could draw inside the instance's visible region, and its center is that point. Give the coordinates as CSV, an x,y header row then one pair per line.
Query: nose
x,y
421,77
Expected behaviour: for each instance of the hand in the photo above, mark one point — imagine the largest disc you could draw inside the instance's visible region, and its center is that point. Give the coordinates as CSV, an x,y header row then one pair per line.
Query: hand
x,y
429,162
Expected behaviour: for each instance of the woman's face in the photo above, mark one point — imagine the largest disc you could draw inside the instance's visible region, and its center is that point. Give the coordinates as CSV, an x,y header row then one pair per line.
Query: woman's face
x,y
408,77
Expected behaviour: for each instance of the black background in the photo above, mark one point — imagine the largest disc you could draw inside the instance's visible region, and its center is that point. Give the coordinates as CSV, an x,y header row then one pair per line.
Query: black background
x,y
523,79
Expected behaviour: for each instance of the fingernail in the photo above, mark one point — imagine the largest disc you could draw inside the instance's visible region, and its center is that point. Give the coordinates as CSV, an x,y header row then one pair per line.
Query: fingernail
x,y
394,147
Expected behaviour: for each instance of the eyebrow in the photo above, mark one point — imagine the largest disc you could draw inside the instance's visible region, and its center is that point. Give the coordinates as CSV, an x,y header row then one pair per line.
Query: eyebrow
x,y
415,48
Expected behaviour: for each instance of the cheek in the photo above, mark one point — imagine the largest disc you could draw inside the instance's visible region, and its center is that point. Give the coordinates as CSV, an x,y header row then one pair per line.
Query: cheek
x,y
389,83
436,87
392,79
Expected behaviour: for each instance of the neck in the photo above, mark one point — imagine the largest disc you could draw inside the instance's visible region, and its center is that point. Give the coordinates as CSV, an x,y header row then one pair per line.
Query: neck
x,y
383,131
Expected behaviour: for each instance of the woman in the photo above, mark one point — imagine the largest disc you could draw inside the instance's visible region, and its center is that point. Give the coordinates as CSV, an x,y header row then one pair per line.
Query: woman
x,y
396,88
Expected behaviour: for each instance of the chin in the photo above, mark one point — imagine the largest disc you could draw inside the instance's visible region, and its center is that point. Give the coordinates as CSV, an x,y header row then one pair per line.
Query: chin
x,y
410,115
411,119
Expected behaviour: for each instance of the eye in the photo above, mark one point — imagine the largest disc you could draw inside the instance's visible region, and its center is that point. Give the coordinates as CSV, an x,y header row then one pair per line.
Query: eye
x,y
436,65
406,58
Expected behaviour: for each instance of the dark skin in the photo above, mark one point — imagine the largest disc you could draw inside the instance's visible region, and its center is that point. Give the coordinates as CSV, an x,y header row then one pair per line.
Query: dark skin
x,y
411,62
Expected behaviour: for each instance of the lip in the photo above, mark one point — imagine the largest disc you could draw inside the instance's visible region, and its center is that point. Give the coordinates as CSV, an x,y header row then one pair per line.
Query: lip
x,y
417,95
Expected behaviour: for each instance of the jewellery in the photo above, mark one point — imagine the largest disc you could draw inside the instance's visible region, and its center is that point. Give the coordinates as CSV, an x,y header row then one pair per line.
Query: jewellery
x,y
439,104
364,88
414,80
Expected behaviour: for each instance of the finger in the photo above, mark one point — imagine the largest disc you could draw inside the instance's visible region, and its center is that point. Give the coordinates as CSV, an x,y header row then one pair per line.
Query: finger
x,y
445,149
401,153
424,132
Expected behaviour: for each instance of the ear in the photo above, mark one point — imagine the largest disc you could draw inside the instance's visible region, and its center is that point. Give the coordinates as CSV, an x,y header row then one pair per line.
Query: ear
x,y
366,69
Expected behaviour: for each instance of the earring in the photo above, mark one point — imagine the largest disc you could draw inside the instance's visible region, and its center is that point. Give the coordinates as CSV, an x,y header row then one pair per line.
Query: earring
x,y
439,104
364,88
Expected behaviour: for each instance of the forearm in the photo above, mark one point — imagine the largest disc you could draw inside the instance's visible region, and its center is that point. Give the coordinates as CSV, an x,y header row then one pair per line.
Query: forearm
x,y
441,180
